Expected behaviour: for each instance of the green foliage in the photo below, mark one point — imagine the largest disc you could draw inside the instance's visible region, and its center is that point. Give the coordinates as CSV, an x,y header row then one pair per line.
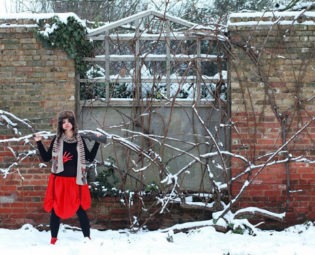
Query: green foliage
x,y
241,228
152,188
105,182
237,229
70,37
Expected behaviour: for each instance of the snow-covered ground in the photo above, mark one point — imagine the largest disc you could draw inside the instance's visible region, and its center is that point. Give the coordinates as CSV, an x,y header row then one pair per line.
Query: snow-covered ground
x,y
296,240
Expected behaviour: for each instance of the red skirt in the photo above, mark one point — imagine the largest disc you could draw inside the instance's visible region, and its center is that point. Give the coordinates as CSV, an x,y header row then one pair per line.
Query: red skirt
x,y
65,196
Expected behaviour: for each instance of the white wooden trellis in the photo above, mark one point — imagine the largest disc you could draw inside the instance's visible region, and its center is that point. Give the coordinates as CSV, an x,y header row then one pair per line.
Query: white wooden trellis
x,y
187,31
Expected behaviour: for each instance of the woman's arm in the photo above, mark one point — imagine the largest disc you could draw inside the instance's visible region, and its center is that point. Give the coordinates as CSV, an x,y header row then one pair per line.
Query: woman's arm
x,y
45,155
90,155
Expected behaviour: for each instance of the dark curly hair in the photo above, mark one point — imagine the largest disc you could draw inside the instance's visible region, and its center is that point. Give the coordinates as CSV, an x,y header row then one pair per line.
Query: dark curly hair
x,y
71,117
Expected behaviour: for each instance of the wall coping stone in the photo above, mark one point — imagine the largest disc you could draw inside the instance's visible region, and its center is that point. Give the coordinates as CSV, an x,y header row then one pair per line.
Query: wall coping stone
x,y
251,19
31,19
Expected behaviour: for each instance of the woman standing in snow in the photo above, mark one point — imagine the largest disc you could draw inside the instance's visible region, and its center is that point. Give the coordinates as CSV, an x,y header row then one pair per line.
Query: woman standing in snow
x,y
67,191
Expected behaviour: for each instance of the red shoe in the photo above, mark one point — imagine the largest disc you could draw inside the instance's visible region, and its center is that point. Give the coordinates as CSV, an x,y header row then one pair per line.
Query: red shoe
x,y
53,240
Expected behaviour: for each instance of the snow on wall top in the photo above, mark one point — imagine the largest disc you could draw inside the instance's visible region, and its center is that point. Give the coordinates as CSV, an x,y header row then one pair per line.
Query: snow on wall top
x,y
31,19
269,18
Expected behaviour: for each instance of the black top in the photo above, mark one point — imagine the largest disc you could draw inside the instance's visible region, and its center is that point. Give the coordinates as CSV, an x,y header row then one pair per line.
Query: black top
x,y
70,156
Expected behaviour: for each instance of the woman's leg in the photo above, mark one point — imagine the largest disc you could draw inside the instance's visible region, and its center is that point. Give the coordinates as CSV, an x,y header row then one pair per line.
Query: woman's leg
x,y
84,222
54,226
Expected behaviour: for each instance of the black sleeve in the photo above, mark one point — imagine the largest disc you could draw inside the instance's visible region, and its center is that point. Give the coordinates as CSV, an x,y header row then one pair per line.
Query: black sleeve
x,y
45,155
90,155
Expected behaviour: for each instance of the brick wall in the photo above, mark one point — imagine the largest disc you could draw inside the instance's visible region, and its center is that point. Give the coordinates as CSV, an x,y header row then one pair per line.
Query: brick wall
x,y
272,91
35,83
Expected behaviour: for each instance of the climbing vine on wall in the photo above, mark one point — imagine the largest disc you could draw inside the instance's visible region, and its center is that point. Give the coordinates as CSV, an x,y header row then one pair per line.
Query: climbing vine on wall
x,y
68,36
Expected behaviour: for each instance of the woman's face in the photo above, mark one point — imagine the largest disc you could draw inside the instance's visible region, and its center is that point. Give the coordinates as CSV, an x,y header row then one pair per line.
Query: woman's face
x,y
66,125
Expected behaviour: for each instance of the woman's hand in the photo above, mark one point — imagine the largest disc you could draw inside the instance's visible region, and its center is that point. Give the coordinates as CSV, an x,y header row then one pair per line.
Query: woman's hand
x,y
37,137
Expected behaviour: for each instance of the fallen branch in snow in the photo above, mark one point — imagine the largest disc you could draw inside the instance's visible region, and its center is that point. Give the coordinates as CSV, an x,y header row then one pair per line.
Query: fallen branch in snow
x,y
260,212
185,227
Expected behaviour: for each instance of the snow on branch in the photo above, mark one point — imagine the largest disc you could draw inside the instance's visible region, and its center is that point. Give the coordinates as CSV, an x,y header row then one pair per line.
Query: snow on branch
x,y
170,179
251,167
25,138
10,121
263,166
20,156
5,114
151,137
7,170
188,226
217,147
258,211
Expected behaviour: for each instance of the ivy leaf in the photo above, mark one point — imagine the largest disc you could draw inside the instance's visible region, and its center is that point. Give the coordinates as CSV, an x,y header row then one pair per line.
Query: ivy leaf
x,y
69,37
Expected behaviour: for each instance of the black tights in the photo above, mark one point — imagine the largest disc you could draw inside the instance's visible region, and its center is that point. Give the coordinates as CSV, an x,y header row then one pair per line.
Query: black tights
x,y
83,218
